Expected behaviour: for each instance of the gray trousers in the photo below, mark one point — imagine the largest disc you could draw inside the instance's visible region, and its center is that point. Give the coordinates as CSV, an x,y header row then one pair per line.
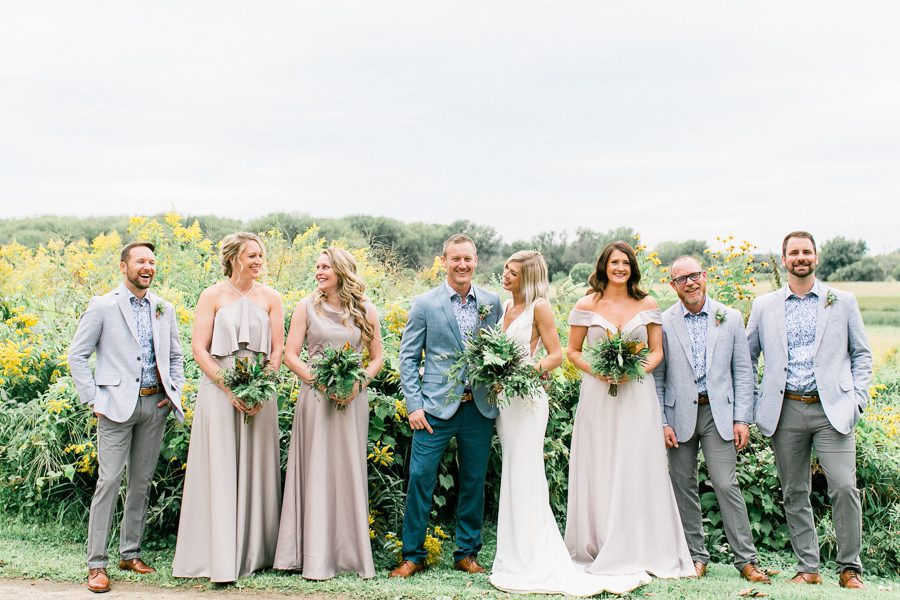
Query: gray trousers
x,y
134,443
800,428
720,456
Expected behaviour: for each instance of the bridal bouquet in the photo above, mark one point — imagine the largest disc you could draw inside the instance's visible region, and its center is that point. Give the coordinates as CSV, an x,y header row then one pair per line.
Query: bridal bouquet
x,y
491,359
337,370
617,357
251,381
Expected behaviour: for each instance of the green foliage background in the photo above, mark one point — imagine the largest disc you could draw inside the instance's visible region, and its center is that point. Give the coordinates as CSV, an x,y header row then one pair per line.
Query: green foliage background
x,y
47,440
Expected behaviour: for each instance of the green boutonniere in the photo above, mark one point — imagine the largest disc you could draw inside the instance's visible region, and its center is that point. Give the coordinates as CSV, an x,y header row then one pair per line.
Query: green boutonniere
x,y
160,310
721,315
830,298
484,311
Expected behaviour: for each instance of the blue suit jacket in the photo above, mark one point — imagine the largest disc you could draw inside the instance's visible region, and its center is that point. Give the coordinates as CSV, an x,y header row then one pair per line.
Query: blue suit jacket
x,y
432,327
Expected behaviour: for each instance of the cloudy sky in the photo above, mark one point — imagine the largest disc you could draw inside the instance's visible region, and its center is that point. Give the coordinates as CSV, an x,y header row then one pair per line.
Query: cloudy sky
x,y
681,119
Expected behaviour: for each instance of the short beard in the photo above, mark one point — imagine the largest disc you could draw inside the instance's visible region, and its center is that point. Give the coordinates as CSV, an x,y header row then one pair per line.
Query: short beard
x,y
136,282
812,270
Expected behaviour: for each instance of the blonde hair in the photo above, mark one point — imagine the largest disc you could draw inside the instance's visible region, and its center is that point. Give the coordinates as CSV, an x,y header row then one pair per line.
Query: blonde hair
x,y
231,247
458,238
534,277
351,291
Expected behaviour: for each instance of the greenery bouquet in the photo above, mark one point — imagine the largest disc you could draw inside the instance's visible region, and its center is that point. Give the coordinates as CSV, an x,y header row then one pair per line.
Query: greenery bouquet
x,y
251,381
337,370
491,359
618,357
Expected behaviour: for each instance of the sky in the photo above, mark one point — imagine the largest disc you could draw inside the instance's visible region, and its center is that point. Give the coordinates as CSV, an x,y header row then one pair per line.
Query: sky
x,y
680,119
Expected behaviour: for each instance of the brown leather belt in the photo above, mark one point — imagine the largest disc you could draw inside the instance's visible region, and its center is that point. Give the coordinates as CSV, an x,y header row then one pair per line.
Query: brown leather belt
x,y
804,397
151,391
466,397
702,399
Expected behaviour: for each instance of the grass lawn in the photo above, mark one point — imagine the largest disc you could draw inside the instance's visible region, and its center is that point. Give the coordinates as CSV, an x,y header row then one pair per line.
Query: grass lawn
x,y
29,551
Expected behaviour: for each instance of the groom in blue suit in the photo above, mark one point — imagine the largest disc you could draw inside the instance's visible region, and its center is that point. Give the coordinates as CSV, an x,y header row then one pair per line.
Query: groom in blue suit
x,y
439,323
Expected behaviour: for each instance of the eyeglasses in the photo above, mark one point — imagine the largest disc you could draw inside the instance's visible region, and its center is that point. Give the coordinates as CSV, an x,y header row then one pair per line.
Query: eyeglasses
x,y
683,279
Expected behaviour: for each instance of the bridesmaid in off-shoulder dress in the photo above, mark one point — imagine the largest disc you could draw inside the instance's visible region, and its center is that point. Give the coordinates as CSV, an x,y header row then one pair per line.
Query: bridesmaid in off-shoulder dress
x,y
622,516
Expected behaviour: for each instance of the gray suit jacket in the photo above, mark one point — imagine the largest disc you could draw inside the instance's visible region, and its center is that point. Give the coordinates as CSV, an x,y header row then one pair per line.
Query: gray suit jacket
x,y
843,360
729,378
108,327
432,327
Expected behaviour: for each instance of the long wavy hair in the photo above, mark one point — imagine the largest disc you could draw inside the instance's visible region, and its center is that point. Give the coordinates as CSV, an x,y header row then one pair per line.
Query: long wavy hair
x,y
599,280
351,291
533,274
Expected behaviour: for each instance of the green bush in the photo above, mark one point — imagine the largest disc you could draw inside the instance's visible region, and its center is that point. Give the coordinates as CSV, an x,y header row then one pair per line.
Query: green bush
x,y
47,439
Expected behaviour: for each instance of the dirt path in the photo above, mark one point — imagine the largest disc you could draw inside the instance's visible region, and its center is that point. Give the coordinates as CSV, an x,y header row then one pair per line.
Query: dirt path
x,y
16,589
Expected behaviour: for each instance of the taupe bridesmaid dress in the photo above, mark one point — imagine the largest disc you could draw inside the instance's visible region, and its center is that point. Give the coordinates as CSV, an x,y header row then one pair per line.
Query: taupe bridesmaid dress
x,y
325,516
622,517
232,488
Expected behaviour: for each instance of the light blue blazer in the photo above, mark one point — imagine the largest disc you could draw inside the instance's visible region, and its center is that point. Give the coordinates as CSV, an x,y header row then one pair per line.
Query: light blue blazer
x,y
108,328
432,328
729,379
842,363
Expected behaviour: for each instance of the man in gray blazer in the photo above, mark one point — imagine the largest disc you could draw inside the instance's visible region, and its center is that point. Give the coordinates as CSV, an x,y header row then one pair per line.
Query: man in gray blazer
x,y
705,388
814,389
136,382
439,323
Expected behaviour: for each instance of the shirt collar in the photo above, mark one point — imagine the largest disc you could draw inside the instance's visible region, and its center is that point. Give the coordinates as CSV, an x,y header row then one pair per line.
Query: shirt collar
x,y
132,297
703,311
452,292
815,291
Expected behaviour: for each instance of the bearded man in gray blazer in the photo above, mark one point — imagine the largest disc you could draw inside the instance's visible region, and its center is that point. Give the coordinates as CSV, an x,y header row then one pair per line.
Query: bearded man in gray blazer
x,y
705,389
137,382
815,386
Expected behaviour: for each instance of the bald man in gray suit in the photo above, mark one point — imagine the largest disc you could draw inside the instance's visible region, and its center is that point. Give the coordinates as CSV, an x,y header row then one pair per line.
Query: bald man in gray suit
x,y
705,389
815,387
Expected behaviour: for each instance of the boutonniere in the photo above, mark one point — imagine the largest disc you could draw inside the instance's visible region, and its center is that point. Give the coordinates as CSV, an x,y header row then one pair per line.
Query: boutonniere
x,y
160,310
484,311
830,298
721,315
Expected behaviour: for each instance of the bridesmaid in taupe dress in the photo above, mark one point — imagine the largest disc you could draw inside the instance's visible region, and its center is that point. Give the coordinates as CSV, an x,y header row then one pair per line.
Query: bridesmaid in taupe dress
x,y
229,513
324,519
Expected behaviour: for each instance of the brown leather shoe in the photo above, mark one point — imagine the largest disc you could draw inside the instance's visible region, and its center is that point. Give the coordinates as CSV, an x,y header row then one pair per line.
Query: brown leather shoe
x,y
700,568
136,565
468,565
851,580
752,573
810,578
98,582
406,569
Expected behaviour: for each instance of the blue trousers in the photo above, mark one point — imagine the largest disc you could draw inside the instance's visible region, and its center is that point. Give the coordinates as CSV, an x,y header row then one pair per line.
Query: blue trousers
x,y
473,432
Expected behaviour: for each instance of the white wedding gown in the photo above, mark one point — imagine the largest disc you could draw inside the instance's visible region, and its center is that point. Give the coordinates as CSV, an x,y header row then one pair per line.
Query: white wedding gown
x,y
531,554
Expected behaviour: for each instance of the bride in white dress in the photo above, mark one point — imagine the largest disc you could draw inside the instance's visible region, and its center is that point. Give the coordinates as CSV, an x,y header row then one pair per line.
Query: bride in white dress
x,y
531,555
622,518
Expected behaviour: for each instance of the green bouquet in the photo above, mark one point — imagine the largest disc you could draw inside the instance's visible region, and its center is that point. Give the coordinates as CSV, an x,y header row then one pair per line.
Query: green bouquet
x,y
251,381
618,357
492,360
337,370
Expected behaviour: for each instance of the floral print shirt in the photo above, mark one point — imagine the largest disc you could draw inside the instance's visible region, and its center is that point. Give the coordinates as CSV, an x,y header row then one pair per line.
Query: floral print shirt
x,y
800,316
141,311
696,327
466,314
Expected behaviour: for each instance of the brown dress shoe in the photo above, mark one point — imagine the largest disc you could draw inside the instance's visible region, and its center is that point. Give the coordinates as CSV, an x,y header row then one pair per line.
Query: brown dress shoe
x,y
851,580
468,565
810,578
406,569
752,573
136,565
700,568
97,580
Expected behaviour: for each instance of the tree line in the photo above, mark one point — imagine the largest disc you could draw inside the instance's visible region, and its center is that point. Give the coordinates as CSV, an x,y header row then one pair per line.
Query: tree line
x,y
416,244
